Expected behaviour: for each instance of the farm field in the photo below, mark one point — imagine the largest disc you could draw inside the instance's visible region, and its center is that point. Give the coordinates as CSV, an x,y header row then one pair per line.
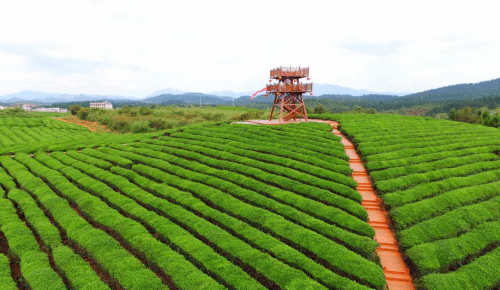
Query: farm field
x,y
41,133
440,180
207,206
28,135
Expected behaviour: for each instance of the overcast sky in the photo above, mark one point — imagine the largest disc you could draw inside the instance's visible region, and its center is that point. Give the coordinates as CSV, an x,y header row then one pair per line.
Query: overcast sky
x,y
134,48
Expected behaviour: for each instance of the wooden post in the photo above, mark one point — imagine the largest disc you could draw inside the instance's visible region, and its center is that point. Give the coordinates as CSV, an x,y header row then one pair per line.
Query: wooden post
x,y
281,108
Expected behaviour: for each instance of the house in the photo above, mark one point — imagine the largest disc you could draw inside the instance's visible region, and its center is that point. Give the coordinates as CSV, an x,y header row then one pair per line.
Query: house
x,y
27,107
103,105
2,107
52,110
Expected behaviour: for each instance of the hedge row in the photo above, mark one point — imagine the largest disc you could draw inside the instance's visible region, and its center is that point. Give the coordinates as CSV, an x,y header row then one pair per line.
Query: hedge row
x,y
415,132
10,136
450,134
440,179
338,257
37,122
339,184
217,236
259,180
371,150
399,183
309,164
431,166
363,245
35,266
378,165
132,232
427,190
295,131
365,270
22,136
274,149
6,281
434,149
79,274
6,181
482,273
451,224
266,134
113,159
251,235
410,214
228,181
110,256
440,255
171,232
273,142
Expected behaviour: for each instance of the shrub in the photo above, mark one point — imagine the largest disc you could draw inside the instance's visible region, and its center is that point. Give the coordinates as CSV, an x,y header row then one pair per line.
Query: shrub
x,y
83,113
145,111
319,109
139,127
120,126
159,124
74,109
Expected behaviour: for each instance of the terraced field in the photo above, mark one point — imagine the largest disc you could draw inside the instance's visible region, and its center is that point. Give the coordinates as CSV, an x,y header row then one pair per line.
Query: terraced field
x,y
32,134
204,207
440,180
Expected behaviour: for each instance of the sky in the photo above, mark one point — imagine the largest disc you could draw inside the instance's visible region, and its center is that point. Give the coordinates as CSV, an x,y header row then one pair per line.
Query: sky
x,y
133,48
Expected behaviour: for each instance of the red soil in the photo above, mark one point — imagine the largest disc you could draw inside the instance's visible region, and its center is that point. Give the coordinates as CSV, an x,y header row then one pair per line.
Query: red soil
x,y
396,272
92,126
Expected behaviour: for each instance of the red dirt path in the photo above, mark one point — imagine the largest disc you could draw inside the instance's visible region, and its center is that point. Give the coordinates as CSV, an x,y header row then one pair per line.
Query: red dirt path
x,y
396,272
92,126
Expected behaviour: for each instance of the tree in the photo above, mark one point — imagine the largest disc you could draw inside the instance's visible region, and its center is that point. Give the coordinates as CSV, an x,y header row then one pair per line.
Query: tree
x,y
453,115
319,109
74,109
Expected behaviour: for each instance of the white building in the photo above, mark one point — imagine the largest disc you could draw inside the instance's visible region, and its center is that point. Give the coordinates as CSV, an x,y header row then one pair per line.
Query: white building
x,y
103,105
52,110
2,107
27,107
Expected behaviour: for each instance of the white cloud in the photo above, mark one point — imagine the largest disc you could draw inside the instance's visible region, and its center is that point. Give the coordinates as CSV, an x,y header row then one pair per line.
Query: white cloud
x,y
134,48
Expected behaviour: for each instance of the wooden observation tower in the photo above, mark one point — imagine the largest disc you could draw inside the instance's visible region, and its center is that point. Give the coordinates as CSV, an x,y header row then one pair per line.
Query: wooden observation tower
x,y
288,92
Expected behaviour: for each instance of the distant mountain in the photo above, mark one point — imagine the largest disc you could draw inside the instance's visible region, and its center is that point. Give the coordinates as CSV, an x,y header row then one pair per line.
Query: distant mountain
x,y
319,90
262,99
193,98
230,94
457,92
48,98
28,95
167,91
326,89
172,96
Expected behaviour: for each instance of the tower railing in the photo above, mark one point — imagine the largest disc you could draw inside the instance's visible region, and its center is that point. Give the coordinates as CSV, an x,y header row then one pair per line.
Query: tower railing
x,y
290,72
289,87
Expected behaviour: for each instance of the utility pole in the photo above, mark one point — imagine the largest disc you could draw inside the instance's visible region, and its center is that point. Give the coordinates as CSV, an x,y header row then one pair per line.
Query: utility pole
x,y
233,102
200,101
